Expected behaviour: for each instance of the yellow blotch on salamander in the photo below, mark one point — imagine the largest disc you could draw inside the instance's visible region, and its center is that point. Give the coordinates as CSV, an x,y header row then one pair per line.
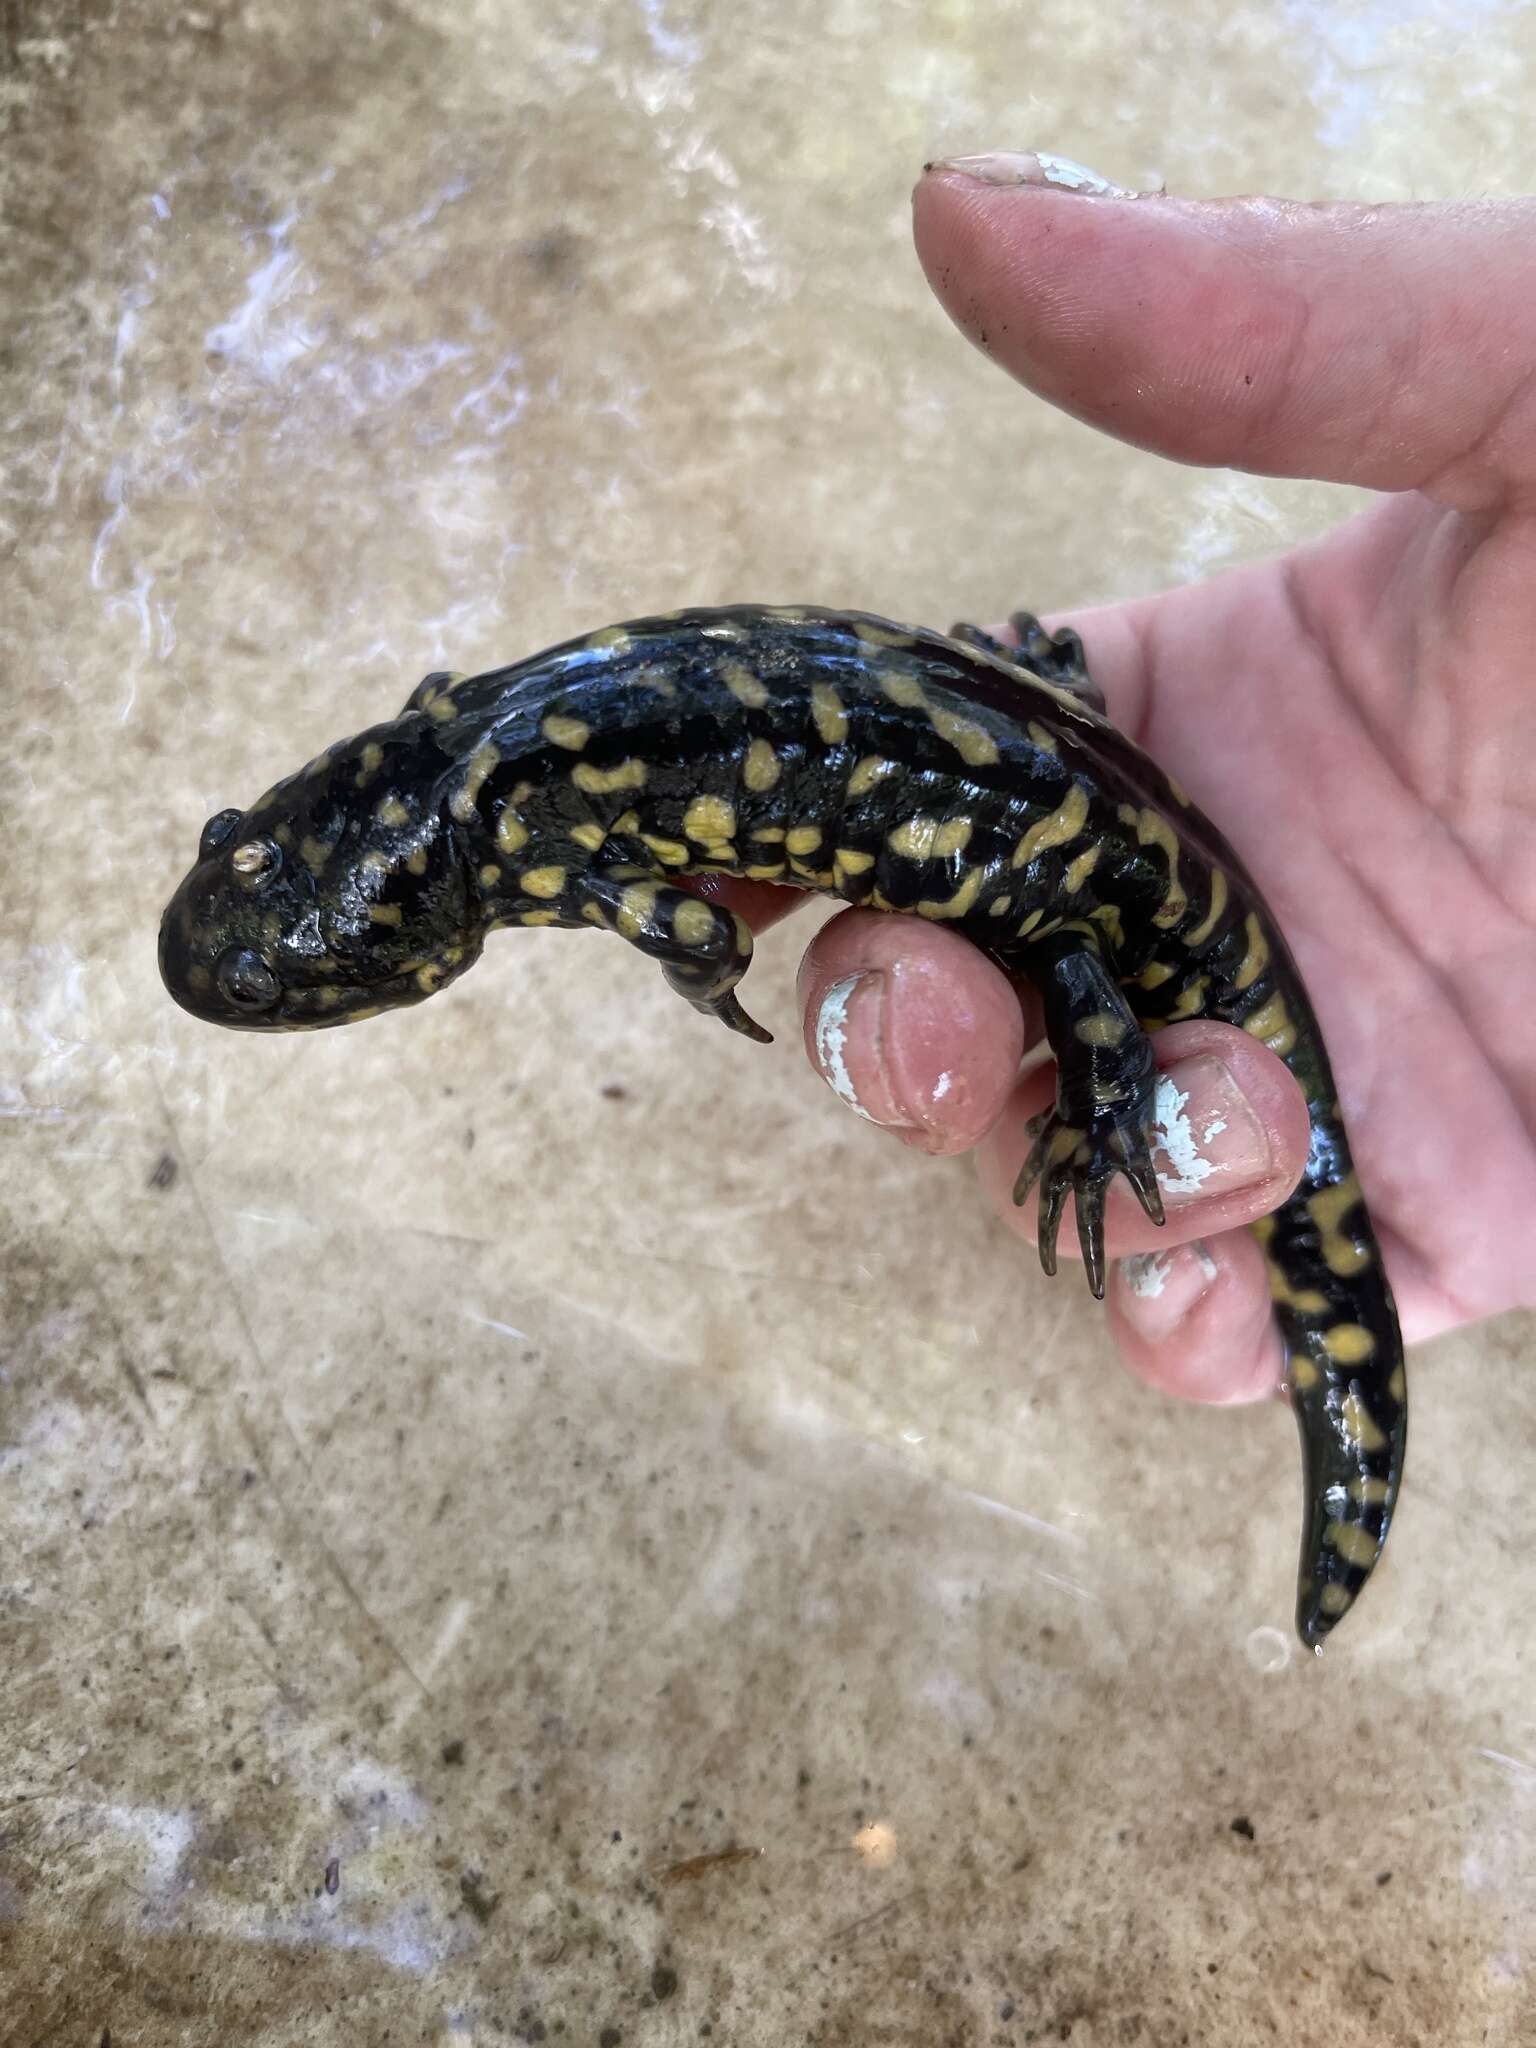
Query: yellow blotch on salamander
x,y
1191,999
1272,1025
1256,959
416,860
611,640
1306,1301
539,917
1303,1374
637,906
541,881
392,812
670,852
744,686
960,903
370,762
570,733
1154,974
926,838
315,853
1103,1029
589,836
1198,934
902,689
710,818
1360,1425
881,636
694,923
1348,1343
1060,828
761,768
593,781
511,832
851,860
1152,829
802,839
1355,1545
1370,1493
1045,741
463,801
441,708
870,770
1080,869
490,875
384,913
972,742
828,714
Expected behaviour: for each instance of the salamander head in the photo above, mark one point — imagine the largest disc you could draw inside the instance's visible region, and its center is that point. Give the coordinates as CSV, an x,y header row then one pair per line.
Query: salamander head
x,y
339,894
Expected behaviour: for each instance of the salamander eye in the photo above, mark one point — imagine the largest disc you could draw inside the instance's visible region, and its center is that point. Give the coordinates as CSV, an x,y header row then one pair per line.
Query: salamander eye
x,y
246,980
216,831
257,861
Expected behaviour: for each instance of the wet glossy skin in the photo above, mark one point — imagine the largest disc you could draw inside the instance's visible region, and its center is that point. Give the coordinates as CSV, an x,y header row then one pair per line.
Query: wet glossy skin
x,y
901,770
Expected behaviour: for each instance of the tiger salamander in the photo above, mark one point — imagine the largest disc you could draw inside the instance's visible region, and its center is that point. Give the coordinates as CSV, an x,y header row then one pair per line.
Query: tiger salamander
x,y
951,776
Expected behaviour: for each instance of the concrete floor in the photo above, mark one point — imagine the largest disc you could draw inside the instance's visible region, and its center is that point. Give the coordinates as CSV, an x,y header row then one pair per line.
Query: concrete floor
x,y
444,1488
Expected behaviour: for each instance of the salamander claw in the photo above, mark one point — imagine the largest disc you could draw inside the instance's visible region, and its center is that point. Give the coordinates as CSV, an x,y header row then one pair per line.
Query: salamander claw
x,y
1070,1159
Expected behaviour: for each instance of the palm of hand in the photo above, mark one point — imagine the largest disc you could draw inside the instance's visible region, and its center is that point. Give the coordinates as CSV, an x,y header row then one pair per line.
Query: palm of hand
x,y
1370,698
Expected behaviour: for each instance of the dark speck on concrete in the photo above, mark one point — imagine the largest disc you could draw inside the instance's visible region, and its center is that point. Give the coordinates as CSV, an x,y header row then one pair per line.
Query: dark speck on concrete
x,y
333,1877
1243,1826
663,1981
615,1091
480,1901
164,1173
453,1750
610,2037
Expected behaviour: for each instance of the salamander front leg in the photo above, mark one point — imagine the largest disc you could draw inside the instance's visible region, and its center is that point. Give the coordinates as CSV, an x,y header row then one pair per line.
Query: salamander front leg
x,y
1056,656
1102,1121
704,950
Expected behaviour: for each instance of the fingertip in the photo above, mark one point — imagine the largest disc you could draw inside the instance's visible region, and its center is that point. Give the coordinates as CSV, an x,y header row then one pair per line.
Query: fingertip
x,y
1195,1320
911,1027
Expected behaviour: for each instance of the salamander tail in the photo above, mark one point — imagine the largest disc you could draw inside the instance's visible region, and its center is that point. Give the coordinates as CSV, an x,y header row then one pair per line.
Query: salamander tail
x,y
1346,1378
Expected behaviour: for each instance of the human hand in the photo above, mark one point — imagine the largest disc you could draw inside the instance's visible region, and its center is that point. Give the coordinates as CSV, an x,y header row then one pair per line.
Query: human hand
x,y
1358,716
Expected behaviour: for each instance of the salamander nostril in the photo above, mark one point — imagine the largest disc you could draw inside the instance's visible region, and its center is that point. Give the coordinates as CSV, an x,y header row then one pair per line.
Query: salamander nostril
x,y
247,981
216,831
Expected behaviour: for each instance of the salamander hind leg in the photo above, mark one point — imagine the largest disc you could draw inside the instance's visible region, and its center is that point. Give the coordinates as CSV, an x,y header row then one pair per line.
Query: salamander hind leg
x,y
1101,1123
1058,657
704,950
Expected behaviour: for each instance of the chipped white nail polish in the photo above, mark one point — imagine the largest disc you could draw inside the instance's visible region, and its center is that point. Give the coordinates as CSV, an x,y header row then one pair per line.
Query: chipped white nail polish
x,y
832,1044
1038,167
1146,1273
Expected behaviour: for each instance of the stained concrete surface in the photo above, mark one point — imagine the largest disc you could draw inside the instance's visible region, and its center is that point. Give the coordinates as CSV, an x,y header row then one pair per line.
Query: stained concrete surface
x,y
458,1478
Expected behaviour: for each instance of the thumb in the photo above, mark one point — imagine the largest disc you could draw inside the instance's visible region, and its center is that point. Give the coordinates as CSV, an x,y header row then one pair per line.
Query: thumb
x,y
1390,346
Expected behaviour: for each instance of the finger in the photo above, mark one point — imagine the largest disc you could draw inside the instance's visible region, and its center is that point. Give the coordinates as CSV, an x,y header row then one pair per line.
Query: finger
x,y
911,1027
1195,1320
1232,1141
1379,345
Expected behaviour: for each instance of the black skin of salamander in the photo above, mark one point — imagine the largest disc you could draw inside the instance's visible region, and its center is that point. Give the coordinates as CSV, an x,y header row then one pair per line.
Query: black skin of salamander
x,y
943,775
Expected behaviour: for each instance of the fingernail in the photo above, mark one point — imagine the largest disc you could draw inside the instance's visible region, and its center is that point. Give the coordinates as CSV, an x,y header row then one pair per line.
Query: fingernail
x,y
1033,167
1208,1140
1162,1287
849,1034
